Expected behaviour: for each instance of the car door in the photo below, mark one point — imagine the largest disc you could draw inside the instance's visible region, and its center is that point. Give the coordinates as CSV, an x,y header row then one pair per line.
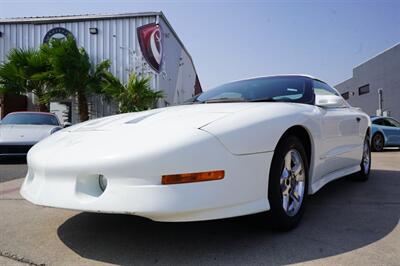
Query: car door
x,y
392,131
340,132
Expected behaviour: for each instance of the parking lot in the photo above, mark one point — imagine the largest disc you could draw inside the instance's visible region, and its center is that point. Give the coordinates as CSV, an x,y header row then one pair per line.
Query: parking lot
x,y
346,222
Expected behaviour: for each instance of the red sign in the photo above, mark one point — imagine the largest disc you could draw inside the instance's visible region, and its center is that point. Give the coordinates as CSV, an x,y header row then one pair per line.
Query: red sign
x,y
151,43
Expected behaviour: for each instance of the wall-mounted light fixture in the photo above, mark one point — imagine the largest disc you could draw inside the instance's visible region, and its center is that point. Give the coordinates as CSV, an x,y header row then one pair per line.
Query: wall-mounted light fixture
x,y
93,30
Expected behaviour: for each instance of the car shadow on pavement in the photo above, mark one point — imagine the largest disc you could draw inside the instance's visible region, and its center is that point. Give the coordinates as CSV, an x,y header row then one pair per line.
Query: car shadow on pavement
x,y
391,150
341,217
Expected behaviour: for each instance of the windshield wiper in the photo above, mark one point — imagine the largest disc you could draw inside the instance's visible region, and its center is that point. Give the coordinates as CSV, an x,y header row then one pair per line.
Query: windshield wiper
x,y
264,100
226,100
231,100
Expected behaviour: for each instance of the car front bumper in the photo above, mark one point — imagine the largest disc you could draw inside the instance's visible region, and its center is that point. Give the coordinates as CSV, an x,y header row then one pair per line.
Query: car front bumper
x,y
134,184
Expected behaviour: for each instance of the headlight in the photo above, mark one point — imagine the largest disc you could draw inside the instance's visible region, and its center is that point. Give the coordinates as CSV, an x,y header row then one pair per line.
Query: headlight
x,y
54,130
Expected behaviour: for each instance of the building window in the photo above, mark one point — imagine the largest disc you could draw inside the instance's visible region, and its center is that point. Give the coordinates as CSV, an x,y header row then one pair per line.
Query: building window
x,y
363,89
346,95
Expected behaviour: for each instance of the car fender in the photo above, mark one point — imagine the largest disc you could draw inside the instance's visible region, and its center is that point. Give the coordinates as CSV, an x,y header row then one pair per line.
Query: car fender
x,y
258,130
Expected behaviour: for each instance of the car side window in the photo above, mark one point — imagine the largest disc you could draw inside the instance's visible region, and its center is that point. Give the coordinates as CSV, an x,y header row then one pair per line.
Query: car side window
x,y
321,88
377,122
391,123
395,122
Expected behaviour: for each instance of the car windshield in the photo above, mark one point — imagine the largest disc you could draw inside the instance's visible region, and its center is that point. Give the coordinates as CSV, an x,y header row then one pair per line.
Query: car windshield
x,y
29,119
274,89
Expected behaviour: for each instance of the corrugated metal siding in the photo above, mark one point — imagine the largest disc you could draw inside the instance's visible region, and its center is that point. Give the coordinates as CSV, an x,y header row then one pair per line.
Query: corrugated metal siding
x,y
116,41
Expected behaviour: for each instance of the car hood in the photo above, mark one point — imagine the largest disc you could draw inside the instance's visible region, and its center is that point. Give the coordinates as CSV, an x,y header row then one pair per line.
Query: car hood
x,y
149,134
187,116
24,133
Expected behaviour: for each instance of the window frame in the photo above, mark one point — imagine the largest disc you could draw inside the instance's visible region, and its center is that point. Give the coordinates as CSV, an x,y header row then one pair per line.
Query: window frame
x,y
362,87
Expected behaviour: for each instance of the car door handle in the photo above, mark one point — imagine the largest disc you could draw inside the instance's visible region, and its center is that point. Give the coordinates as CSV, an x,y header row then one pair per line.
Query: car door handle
x,y
358,119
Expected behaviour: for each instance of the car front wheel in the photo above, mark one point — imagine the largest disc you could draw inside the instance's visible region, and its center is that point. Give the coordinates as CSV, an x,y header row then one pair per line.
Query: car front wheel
x,y
288,183
365,165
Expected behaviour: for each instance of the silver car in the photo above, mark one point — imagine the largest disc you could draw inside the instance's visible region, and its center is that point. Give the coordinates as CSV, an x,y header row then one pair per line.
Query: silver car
x,y
21,130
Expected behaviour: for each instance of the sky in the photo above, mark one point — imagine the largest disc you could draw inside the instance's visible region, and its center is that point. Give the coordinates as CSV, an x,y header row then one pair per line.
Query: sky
x,y
230,40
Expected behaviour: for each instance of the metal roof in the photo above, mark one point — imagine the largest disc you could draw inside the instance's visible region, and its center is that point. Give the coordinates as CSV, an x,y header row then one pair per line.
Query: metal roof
x,y
73,18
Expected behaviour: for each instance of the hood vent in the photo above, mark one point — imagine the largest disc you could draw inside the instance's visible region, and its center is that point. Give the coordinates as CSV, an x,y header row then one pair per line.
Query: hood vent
x,y
138,119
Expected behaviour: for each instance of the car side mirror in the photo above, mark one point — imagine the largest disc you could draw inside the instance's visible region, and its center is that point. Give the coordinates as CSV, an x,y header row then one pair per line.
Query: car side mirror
x,y
329,101
67,124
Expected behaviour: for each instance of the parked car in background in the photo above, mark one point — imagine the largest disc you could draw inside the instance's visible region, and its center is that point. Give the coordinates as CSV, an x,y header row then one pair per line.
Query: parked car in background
x,y
385,132
19,131
249,146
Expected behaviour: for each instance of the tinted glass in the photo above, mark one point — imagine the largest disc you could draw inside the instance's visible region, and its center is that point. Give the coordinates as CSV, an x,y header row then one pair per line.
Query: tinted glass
x,y
281,89
378,122
30,119
392,123
363,90
346,95
321,88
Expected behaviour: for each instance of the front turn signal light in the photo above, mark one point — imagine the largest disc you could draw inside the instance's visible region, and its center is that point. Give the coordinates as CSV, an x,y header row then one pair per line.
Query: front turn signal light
x,y
192,177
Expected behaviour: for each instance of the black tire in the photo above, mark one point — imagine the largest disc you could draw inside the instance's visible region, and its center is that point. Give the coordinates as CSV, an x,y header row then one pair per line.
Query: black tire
x,y
363,174
279,217
378,142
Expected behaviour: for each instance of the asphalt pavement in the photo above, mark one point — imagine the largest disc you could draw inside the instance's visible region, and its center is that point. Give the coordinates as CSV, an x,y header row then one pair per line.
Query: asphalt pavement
x,y
346,223
12,169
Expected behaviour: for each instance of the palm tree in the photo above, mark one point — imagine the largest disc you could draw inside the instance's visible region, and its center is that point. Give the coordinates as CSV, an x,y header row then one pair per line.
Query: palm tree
x,y
71,72
134,96
17,74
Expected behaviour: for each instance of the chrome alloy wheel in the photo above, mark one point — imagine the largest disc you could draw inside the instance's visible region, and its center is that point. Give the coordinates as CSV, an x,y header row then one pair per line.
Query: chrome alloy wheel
x,y
292,182
366,159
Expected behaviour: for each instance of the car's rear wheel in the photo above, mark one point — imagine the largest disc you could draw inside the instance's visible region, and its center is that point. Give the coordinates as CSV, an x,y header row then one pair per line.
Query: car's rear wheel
x,y
378,142
365,165
288,181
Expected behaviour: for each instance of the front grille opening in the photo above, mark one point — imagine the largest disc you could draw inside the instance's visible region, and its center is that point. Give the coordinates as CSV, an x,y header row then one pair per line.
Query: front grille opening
x,y
15,149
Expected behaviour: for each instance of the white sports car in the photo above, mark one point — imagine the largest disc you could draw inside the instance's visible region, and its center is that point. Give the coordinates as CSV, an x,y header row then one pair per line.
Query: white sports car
x,y
249,146
19,131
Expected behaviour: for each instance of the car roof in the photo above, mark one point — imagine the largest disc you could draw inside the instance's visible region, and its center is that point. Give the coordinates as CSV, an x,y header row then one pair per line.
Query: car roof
x,y
273,76
280,75
32,112
375,117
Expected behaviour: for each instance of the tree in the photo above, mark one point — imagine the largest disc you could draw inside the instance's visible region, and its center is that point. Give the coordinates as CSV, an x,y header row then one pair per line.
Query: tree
x,y
17,74
134,96
71,73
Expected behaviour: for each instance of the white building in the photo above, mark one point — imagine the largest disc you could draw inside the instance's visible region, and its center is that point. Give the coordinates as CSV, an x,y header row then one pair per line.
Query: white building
x,y
144,43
